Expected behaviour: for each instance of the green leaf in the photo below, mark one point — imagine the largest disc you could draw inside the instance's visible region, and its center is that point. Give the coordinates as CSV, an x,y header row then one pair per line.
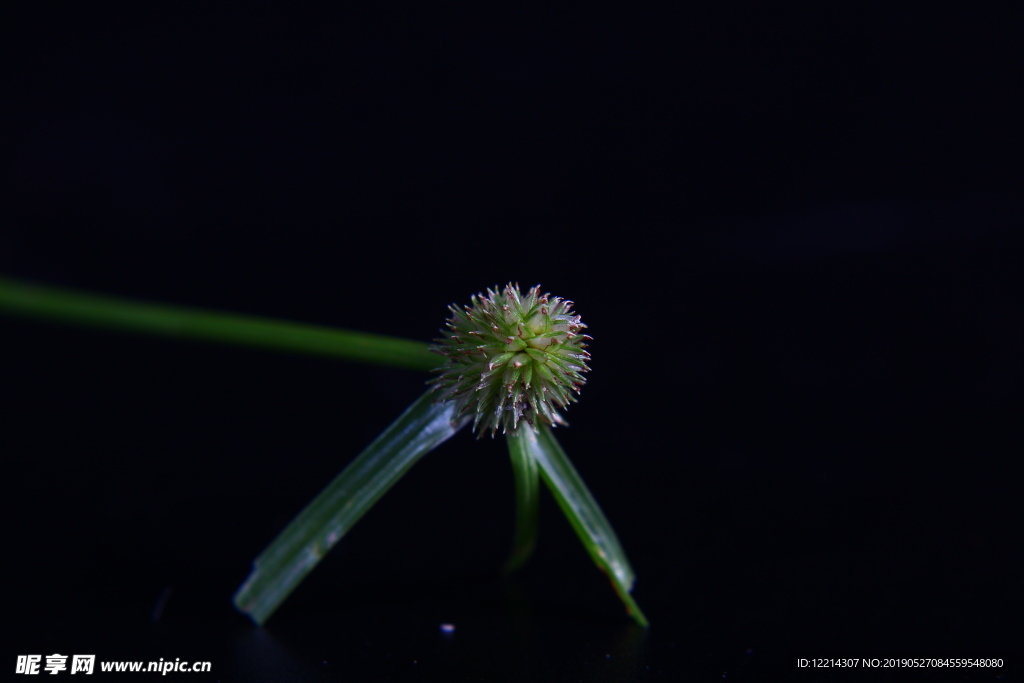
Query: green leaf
x,y
294,553
66,305
527,479
581,509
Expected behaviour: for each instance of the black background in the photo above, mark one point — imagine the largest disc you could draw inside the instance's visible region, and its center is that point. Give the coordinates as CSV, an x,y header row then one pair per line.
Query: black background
x,y
794,235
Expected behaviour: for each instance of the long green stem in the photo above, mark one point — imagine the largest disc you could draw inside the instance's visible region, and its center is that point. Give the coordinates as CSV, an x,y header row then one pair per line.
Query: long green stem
x,y
304,542
66,305
581,509
527,479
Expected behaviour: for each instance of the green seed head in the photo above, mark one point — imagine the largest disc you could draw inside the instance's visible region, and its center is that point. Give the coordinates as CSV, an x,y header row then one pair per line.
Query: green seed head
x,y
511,357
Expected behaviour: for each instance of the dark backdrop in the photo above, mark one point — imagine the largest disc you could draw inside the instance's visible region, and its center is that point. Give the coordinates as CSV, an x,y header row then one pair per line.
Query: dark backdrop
x,y
794,235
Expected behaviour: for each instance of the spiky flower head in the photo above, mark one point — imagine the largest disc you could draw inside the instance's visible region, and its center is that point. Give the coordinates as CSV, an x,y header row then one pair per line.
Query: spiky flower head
x,y
512,357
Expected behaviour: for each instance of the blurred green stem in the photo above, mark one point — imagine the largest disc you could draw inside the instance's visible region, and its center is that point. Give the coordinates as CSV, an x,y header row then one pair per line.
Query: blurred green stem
x,y
527,480
67,305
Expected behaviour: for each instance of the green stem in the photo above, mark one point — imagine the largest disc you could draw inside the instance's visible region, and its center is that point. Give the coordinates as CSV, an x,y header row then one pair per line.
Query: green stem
x,y
527,479
582,511
305,541
66,305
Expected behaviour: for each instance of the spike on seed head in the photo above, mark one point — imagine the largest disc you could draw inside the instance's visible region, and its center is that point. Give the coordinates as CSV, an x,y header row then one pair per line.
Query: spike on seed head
x,y
529,358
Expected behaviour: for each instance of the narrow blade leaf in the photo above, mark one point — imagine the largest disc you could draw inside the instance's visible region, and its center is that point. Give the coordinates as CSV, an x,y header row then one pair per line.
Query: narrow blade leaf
x,y
304,542
582,510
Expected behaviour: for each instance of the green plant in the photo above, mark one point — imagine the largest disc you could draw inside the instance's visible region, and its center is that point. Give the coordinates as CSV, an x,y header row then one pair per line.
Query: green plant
x,y
512,361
